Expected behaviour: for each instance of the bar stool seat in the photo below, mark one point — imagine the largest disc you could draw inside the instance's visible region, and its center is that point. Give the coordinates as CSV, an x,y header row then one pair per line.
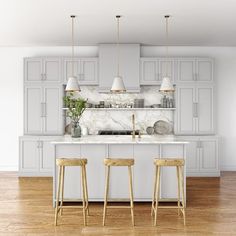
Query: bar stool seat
x,y
62,163
118,162
178,163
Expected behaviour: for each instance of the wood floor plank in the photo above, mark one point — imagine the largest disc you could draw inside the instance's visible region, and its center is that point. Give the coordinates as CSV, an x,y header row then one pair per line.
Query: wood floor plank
x,y
26,209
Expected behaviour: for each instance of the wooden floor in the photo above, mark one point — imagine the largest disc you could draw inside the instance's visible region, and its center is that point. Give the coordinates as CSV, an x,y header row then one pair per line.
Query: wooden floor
x,y
26,209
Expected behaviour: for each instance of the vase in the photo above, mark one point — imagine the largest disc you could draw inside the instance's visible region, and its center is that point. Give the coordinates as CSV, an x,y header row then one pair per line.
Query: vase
x,y
75,130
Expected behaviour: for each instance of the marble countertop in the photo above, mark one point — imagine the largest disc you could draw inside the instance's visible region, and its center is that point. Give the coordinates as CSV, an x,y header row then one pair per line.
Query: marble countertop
x,y
121,139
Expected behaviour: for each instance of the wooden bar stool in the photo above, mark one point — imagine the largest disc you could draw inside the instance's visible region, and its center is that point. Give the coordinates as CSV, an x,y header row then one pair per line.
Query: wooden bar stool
x,y
62,163
179,163
118,162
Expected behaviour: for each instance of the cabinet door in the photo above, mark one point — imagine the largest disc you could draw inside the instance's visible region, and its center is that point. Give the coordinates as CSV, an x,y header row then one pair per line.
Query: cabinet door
x,y
169,184
33,70
119,181
52,110
29,156
204,121
166,69
204,70
186,110
95,155
149,71
88,71
52,69
46,156
68,69
144,170
208,156
186,70
192,155
72,186
33,110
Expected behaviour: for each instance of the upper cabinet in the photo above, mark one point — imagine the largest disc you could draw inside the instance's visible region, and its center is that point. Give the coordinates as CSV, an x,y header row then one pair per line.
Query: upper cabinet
x,y
129,56
195,70
85,69
180,70
152,70
46,69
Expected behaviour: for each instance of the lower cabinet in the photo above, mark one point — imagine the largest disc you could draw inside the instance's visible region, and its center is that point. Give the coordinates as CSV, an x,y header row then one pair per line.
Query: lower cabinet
x,y
143,170
202,156
36,156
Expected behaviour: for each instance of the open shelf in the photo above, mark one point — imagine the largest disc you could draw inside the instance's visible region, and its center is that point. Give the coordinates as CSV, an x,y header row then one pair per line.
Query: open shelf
x,y
128,109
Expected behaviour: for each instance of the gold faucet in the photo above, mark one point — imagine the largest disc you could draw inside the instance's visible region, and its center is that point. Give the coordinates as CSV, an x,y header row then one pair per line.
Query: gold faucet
x,y
133,123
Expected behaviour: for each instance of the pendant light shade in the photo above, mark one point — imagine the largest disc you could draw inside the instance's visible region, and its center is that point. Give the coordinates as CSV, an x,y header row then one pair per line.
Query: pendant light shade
x,y
166,84
118,83
72,82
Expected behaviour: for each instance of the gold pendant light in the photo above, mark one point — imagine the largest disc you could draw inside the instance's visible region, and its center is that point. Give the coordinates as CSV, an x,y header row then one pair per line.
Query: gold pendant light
x,y
72,83
166,85
118,84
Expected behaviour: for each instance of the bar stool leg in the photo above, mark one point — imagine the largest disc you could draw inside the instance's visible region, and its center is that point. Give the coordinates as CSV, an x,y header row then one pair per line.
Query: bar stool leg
x,y
157,193
58,194
182,190
62,189
83,190
86,191
131,194
154,191
177,171
106,194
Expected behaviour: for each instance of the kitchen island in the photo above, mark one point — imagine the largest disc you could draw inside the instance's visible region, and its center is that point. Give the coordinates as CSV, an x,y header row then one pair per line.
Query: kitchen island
x,y
96,147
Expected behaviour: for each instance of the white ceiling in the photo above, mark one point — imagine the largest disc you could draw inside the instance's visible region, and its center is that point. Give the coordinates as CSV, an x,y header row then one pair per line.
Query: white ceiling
x,y
47,22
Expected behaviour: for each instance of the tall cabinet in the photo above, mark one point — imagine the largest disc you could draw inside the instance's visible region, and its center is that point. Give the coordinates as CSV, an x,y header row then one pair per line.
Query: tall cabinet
x,y
42,114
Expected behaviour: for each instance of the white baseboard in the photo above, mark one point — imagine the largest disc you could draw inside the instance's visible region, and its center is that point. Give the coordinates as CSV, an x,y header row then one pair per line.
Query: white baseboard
x,y
228,168
8,168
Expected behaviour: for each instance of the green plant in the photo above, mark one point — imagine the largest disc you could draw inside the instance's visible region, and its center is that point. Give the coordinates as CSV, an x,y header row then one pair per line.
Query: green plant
x,y
75,107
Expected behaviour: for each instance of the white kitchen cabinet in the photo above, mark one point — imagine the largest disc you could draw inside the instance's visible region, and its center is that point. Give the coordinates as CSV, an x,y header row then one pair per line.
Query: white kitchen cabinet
x,y
204,110
36,156
72,181
143,169
169,189
129,55
43,109
202,156
144,163
42,69
95,155
152,70
195,110
85,69
119,178
195,70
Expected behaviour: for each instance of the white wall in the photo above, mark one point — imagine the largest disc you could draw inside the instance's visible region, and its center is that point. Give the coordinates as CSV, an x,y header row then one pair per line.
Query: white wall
x,y
11,94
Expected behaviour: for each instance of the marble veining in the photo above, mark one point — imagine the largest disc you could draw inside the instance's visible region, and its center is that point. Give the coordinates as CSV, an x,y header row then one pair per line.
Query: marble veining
x,y
97,119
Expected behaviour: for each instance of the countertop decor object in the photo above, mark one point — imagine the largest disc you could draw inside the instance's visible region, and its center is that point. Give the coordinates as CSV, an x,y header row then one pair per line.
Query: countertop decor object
x,y
75,110
72,83
162,127
150,130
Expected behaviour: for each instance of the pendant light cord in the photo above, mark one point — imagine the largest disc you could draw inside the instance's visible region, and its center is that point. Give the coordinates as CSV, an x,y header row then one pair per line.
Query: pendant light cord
x,y
73,44
167,43
118,45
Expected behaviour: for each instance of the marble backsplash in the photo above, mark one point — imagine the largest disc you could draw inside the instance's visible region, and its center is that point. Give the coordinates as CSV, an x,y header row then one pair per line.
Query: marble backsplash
x,y
116,119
